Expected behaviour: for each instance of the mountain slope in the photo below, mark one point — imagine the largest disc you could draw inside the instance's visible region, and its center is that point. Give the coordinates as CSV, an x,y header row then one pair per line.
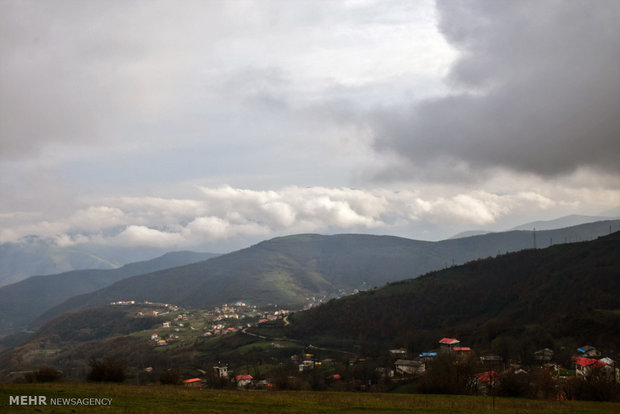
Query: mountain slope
x,y
289,270
567,293
22,302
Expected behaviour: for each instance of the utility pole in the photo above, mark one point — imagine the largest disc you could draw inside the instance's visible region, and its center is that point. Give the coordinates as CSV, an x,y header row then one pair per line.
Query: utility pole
x,y
534,237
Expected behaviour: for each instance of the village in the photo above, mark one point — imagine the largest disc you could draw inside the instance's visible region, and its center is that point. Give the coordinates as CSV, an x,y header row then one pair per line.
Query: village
x,y
295,365
587,364
182,325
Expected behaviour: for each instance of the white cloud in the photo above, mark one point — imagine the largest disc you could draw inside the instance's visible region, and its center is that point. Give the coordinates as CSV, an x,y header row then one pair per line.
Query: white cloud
x,y
97,218
145,236
233,216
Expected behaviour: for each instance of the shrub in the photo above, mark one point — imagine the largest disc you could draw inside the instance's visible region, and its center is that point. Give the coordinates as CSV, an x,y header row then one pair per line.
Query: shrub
x,y
170,376
47,374
106,370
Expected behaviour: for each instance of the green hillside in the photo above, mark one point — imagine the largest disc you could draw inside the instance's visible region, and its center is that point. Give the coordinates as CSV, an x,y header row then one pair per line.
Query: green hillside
x,y
22,302
296,269
560,297
566,294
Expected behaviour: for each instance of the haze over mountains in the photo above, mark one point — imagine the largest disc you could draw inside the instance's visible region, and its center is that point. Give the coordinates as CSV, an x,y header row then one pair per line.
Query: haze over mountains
x,y
296,269
23,301
566,221
33,255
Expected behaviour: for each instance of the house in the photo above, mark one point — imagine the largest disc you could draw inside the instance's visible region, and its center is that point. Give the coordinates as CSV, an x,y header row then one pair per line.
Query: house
x,y
154,337
166,325
193,383
427,356
485,381
221,371
487,377
243,380
584,366
448,344
543,355
491,359
409,367
611,369
400,353
589,351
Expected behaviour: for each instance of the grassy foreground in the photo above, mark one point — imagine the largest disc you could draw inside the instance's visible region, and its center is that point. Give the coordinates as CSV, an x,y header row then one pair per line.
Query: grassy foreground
x,y
171,399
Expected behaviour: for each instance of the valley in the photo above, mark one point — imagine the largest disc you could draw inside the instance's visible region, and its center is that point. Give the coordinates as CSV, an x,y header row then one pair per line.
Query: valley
x,y
507,310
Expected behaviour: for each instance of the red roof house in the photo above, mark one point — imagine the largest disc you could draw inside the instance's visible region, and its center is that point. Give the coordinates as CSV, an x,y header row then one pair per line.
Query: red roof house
x,y
486,377
588,362
447,344
192,382
584,365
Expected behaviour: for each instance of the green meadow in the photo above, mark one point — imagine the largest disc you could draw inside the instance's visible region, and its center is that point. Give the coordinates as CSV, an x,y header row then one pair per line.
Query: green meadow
x,y
177,399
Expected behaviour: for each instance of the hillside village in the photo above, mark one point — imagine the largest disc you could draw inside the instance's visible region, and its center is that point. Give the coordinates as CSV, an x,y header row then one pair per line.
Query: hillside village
x,y
339,370
402,337
182,325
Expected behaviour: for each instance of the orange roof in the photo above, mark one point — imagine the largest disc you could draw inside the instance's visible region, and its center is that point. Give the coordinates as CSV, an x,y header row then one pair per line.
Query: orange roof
x,y
244,377
449,341
189,381
462,348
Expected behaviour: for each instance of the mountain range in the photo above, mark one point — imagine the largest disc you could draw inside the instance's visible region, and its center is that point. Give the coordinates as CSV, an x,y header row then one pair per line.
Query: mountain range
x,y
299,269
562,222
559,297
22,302
32,255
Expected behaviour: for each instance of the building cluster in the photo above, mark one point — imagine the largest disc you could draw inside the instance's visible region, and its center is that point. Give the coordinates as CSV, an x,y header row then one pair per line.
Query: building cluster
x,y
221,320
587,359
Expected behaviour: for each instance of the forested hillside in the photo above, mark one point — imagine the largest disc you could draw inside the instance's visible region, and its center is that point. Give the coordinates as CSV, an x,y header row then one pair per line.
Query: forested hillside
x,y
566,293
301,268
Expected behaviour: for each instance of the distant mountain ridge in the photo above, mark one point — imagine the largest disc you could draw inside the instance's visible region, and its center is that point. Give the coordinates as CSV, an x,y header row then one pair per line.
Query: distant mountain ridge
x,y
293,269
559,297
563,295
34,256
559,223
22,302
567,221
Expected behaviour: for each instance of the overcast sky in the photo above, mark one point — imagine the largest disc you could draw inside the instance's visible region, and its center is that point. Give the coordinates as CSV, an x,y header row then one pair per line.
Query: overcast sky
x,y
215,124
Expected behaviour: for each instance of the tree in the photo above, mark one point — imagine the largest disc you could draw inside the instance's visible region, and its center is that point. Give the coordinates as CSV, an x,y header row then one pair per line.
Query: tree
x,y
170,376
47,374
106,370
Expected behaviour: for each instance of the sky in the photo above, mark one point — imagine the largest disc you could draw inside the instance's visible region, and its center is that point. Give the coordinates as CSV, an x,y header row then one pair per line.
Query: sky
x,y
213,125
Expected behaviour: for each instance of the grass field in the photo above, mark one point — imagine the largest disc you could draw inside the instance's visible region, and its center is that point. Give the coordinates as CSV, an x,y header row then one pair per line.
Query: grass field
x,y
177,399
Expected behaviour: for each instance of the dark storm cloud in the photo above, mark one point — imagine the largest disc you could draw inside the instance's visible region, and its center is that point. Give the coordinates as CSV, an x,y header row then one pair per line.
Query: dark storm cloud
x,y
536,90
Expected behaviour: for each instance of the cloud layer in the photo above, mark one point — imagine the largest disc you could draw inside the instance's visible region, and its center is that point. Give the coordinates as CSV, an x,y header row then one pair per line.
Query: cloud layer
x,y
536,89
221,216
226,122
